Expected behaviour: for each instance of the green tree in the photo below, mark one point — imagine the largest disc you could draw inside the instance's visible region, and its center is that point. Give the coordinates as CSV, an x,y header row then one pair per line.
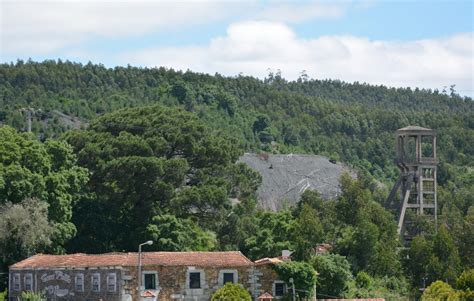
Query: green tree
x,y
465,283
417,260
231,292
446,262
334,274
367,234
24,230
173,234
47,171
154,161
439,291
303,274
308,232
273,233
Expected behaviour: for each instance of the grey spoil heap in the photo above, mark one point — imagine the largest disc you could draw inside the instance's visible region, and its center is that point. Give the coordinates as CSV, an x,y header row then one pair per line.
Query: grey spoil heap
x,y
286,177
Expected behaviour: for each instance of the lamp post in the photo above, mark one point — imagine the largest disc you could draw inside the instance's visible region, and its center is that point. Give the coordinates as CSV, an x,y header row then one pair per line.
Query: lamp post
x,y
293,288
150,242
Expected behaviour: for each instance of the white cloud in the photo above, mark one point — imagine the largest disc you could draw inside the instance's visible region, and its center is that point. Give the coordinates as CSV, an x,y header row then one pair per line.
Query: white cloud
x,y
33,27
253,47
40,27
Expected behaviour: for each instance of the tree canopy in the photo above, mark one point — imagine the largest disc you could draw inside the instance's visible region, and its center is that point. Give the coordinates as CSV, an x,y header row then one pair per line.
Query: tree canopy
x,y
147,163
44,171
154,156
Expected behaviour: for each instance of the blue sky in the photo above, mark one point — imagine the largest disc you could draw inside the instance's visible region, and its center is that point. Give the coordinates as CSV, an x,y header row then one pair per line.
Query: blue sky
x,y
397,43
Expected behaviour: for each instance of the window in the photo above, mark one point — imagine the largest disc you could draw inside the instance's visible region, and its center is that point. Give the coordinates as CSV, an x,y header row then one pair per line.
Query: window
x,y
16,282
279,288
111,282
28,282
79,282
195,280
149,280
228,277
96,282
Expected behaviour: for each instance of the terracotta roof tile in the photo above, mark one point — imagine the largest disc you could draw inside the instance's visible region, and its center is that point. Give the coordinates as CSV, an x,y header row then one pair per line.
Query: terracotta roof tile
x,y
214,259
265,296
148,294
205,259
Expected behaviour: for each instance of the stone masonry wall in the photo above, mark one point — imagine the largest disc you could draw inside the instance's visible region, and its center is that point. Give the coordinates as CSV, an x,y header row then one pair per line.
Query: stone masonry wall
x,y
173,281
266,277
59,284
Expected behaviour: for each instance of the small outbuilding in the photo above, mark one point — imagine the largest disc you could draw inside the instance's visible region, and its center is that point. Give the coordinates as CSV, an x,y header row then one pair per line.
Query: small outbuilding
x,y
265,297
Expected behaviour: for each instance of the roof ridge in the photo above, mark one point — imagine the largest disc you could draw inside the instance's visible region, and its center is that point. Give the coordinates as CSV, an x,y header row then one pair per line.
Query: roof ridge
x,y
200,258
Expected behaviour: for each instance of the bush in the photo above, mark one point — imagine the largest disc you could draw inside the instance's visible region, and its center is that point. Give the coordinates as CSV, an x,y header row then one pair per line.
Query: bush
x,y
231,292
466,280
363,280
30,296
303,274
465,283
439,291
3,295
334,274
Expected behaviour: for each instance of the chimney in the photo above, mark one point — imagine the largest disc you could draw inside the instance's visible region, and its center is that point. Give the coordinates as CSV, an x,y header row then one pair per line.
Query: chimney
x,y
286,255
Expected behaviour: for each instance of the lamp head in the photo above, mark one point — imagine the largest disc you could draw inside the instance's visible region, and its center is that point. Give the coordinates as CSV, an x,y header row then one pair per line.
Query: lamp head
x,y
150,242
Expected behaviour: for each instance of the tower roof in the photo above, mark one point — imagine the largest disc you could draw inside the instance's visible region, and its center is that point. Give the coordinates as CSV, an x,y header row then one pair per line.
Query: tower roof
x,y
415,128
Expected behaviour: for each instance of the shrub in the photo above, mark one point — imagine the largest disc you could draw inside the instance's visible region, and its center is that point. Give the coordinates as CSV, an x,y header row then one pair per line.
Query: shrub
x,y
30,296
439,291
231,292
466,280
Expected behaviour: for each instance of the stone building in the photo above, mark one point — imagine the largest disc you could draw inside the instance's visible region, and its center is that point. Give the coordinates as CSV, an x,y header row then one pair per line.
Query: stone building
x,y
165,276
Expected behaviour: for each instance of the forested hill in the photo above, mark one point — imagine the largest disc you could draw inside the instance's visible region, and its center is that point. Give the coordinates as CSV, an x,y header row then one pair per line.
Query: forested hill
x,y
348,122
167,169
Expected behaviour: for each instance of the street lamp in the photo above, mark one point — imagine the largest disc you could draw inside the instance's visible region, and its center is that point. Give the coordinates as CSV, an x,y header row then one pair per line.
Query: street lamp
x,y
292,281
150,242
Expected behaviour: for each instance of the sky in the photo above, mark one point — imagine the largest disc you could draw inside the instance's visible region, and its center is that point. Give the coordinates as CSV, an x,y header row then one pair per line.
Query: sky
x,y
398,43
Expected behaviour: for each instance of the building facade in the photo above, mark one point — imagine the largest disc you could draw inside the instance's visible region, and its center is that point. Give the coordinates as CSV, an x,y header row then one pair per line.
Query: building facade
x,y
165,276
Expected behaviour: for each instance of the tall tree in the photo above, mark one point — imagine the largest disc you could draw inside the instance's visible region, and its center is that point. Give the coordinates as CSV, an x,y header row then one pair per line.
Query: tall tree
x,y
149,162
47,171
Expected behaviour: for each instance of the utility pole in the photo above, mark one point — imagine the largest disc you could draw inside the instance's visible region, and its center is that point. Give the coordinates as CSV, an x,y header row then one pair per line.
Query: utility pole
x,y
29,116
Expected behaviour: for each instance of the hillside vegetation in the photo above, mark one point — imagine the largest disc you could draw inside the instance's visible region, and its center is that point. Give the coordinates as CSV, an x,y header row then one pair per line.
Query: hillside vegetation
x,y
158,160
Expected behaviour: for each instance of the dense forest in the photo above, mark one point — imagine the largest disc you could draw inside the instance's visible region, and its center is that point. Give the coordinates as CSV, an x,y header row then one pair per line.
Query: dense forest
x,y
152,154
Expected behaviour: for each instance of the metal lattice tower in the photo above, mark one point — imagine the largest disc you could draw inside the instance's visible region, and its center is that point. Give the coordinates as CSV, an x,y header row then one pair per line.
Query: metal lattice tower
x,y
416,158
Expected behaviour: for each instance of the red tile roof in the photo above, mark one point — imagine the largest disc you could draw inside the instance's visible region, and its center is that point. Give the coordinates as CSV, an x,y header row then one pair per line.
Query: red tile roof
x,y
72,260
203,259
265,296
212,259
